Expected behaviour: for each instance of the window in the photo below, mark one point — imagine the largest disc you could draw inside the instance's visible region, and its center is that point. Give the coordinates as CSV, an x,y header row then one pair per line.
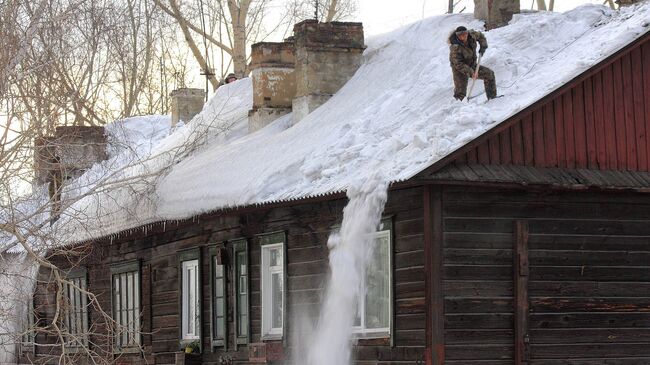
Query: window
x,y
219,297
29,326
240,250
190,295
75,320
272,285
126,304
374,313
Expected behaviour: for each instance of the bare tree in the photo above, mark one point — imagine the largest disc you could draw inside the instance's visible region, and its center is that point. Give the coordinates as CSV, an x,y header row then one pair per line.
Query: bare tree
x,y
232,25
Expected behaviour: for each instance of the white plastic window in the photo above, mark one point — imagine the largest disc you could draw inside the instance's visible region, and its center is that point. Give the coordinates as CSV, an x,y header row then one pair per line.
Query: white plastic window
x,y
190,298
272,289
373,316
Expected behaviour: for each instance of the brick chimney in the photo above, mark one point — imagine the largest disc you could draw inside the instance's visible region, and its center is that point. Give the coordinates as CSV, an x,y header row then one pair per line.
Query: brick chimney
x,y
186,103
495,13
67,155
327,56
274,82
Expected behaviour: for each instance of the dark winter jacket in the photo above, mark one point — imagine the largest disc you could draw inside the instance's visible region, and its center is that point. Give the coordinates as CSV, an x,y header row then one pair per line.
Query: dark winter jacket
x,y
463,57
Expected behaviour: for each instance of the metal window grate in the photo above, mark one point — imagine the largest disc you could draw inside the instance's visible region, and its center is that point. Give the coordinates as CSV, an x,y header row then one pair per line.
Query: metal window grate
x,y
126,308
76,310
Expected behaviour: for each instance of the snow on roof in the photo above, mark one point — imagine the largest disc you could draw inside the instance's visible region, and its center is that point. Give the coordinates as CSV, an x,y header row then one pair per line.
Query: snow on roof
x,y
394,118
129,142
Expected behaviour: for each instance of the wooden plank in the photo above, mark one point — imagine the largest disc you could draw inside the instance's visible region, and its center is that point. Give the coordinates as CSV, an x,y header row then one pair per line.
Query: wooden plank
x,y
587,257
549,136
483,151
590,361
472,156
596,335
580,133
628,104
576,305
559,132
646,95
479,352
493,145
521,306
505,147
590,124
528,140
639,109
517,144
599,351
574,289
428,276
503,321
570,149
454,305
619,116
586,320
437,309
588,273
478,337
610,118
482,288
599,121
538,138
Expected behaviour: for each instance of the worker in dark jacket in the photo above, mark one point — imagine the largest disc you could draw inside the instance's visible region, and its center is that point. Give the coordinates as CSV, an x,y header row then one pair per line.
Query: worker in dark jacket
x,y
462,56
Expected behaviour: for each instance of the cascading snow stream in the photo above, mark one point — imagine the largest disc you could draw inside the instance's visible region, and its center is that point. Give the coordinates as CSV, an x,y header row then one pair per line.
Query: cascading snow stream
x,y
350,251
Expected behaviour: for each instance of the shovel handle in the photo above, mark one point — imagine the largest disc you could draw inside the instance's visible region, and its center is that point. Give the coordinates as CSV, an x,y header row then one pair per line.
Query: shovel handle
x,y
478,64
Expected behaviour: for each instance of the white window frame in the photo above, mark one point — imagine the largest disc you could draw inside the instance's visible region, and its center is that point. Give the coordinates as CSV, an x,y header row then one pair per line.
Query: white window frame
x,y
361,331
193,333
268,331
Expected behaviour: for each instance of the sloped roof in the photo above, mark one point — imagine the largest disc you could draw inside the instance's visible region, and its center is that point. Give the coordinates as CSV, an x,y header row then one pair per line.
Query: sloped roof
x,y
554,177
392,120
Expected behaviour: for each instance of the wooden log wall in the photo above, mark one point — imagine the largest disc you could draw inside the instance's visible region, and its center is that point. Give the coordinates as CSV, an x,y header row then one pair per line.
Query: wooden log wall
x,y
307,227
588,278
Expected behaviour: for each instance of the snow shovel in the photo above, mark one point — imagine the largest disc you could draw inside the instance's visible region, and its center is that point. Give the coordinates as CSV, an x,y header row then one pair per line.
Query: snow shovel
x,y
478,64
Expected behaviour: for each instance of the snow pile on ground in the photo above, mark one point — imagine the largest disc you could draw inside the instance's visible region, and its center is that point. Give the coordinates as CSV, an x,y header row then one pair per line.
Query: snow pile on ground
x,y
396,116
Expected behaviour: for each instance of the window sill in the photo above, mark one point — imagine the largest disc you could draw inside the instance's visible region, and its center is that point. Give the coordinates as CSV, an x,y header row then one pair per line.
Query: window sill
x,y
127,350
372,338
272,337
74,349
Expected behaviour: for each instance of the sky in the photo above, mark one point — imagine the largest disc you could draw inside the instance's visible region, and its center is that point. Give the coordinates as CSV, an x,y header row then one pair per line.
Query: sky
x,y
380,16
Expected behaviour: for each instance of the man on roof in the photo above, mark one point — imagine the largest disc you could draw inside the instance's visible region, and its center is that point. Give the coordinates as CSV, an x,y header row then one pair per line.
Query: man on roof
x,y
462,56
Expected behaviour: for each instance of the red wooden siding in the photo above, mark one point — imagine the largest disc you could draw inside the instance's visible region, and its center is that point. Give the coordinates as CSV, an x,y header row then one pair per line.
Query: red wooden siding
x,y
602,122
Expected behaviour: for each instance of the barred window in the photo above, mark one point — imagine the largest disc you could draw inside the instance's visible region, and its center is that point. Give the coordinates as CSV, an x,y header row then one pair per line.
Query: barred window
x,y
126,304
75,307
240,248
29,326
219,297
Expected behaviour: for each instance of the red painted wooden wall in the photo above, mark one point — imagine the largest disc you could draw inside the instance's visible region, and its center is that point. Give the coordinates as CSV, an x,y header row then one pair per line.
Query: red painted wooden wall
x,y
601,122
